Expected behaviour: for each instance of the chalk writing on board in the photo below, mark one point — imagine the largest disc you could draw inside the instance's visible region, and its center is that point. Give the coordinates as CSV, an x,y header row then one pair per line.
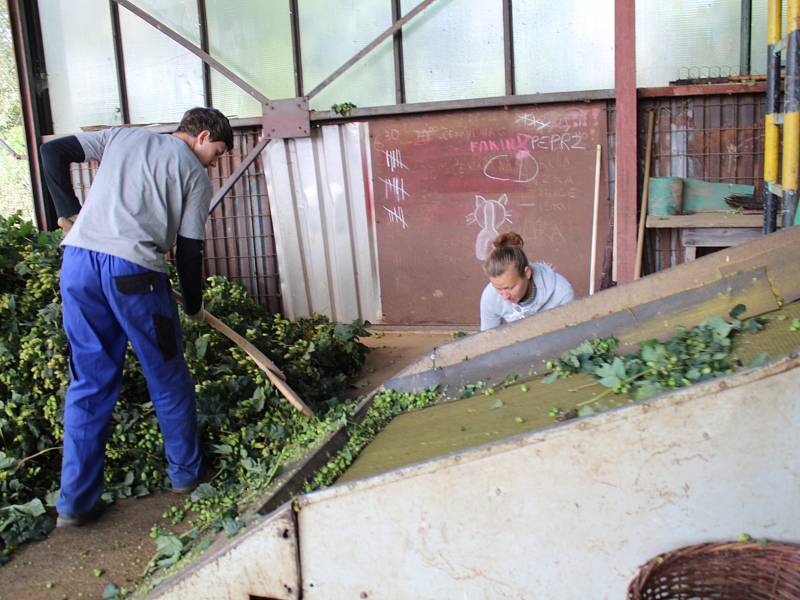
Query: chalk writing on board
x,y
551,142
394,187
396,215
531,120
489,215
540,230
572,119
520,167
394,160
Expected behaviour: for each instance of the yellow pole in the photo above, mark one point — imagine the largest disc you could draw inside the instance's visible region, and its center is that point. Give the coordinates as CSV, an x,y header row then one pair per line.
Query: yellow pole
x,y
791,116
771,133
771,129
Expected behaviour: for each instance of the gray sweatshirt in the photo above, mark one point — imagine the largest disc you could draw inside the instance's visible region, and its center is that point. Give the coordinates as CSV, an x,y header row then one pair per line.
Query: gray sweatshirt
x,y
552,289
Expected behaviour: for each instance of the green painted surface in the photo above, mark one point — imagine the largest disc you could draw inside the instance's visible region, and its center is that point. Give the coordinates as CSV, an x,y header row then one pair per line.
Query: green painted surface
x,y
684,195
462,424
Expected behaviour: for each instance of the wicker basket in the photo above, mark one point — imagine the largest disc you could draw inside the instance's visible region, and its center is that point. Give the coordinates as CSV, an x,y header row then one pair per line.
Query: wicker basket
x,y
721,571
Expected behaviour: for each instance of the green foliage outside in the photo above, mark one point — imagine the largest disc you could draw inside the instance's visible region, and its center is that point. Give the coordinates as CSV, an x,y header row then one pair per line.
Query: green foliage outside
x,y
15,184
248,430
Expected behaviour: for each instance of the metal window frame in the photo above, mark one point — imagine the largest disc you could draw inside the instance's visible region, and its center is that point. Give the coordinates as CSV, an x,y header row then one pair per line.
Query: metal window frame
x,y
625,93
202,18
119,61
399,65
297,56
508,47
26,31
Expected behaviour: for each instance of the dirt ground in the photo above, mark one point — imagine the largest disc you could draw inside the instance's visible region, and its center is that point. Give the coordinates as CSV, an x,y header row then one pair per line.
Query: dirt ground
x,y
79,563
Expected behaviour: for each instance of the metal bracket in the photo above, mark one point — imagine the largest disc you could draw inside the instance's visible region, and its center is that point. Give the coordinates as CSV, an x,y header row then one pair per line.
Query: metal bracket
x,y
287,118
775,189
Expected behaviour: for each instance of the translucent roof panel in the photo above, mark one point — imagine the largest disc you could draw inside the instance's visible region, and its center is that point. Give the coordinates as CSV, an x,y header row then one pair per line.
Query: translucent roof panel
x,y
454,50
330,34
684,39
563,46
253,39
163,78
79,57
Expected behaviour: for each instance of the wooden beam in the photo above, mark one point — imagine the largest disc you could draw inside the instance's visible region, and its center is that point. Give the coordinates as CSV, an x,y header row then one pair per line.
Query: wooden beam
x,y
704,89
626,152
711,219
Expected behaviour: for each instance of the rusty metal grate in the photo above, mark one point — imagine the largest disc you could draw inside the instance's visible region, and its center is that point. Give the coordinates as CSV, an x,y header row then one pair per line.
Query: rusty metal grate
x,y
715,138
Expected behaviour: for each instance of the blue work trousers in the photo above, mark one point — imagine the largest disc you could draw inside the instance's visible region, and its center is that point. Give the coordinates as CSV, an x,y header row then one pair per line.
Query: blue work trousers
x,y
106,302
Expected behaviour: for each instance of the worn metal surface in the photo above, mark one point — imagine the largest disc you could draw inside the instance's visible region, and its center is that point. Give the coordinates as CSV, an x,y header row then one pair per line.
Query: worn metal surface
x,y
572,511
240,242
525,406
320,197
286,118
119,60
261,562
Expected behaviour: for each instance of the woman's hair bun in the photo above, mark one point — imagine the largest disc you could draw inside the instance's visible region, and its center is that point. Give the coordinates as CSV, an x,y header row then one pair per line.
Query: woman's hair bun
x,y
508,239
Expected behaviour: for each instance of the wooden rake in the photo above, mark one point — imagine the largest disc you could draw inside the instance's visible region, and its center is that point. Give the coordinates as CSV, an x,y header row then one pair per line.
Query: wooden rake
x,y
276,376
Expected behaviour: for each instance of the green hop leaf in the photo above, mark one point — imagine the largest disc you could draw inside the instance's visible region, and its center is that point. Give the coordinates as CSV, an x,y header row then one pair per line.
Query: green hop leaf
x,y
551,378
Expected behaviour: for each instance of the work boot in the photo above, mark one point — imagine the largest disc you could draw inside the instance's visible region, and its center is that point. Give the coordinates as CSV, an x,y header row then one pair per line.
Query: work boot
x,y
206,475
80,519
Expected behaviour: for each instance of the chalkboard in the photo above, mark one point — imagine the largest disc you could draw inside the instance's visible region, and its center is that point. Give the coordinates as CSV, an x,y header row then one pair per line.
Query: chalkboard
x,y
444,185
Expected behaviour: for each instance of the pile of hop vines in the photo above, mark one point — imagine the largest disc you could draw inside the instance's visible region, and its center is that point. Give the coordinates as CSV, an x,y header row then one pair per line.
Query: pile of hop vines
x,y
248,429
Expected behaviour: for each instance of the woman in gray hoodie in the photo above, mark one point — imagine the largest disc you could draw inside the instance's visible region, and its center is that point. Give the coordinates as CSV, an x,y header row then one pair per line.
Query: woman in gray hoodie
x,y
518,288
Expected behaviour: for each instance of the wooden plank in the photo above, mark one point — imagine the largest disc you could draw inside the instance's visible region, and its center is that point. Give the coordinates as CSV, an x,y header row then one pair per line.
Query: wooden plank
x,y
711,219
719,237
703,89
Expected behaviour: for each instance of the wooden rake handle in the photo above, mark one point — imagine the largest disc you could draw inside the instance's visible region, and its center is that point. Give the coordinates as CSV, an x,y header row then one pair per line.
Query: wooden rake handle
x,y
275,375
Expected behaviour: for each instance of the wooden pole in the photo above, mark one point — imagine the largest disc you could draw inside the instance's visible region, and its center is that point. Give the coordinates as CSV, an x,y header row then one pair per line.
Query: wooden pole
x,y
651,119
275,375
614,250
595,209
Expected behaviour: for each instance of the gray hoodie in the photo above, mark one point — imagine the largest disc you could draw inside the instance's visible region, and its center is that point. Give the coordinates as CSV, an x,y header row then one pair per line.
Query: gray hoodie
x,y
552,289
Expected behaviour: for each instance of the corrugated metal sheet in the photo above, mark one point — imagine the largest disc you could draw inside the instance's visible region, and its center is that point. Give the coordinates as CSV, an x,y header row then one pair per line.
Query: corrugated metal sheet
x,y
320,197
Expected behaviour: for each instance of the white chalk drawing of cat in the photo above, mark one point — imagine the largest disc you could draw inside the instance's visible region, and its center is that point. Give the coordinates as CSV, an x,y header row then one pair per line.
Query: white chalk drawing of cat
x,y
489,215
